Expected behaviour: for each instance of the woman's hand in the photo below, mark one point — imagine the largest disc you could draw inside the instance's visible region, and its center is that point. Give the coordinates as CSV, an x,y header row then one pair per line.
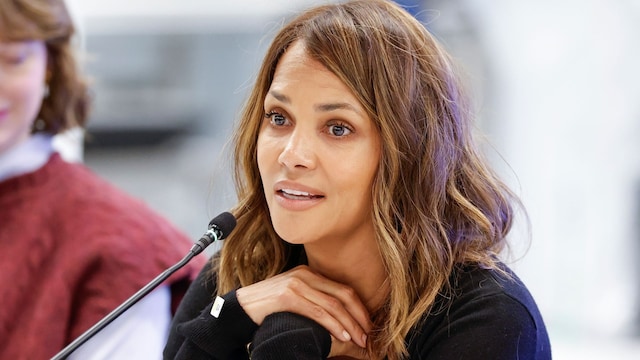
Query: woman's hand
x,y
300,290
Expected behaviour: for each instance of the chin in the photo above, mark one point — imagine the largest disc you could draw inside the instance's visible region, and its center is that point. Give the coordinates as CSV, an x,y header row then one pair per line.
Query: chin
x,y
290,227
291,236
292,233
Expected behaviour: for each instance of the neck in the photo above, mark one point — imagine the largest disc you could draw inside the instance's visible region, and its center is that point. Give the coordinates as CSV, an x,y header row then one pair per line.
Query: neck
x,y
356,264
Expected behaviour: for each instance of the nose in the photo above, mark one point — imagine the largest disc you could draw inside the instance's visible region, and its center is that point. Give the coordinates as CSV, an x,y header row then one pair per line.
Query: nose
x,y
298,152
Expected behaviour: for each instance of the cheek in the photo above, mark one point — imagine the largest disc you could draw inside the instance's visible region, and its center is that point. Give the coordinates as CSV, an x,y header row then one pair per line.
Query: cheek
x,y
363,176
32,98
267,152
27,94
357,176
260,154
362,166
23,103
264,158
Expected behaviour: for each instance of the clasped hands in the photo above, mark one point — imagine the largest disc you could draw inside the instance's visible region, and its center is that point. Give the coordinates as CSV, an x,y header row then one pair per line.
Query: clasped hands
x,y
333,305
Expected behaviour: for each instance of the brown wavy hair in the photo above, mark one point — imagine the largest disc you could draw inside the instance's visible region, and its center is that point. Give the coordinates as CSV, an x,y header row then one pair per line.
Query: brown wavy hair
x,y
49,21
436,203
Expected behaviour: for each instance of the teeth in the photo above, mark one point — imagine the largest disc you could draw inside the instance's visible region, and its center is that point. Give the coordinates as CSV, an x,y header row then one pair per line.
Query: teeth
x,y
295,192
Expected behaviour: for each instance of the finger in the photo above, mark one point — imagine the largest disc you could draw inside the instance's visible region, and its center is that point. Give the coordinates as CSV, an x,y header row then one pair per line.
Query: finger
x,y
333,305
345,294
342,292
294,294
353,305
348,349
326,309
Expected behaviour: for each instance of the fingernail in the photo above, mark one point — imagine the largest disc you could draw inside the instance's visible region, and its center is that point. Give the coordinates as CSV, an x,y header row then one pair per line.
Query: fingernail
x,y
346,335
364,340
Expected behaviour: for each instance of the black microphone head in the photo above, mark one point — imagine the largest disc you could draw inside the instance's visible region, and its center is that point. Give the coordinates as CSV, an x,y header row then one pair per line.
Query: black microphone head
x,y
223,224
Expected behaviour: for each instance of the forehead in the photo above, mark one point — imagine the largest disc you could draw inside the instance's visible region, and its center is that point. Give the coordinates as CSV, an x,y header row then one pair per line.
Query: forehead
x,y
296,69
296,60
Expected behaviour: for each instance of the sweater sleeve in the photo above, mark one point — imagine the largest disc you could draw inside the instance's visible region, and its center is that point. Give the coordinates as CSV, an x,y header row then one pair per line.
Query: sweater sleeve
x,y
196,334
288,336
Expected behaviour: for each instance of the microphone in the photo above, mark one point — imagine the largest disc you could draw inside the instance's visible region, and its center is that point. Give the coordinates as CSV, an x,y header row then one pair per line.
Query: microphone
x,y
219,228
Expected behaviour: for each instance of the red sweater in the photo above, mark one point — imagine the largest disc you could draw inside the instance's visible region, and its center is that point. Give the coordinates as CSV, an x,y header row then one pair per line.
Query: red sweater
x,y
72,248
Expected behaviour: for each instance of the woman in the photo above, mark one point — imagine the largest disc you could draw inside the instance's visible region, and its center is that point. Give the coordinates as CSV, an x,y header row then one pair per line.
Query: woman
x,y
368,224
72,247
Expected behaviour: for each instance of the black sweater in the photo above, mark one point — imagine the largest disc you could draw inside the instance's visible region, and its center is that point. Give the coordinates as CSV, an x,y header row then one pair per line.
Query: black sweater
x,y
488,316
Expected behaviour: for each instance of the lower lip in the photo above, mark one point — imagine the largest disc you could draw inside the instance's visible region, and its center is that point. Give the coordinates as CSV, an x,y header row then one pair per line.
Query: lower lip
x,y
297,204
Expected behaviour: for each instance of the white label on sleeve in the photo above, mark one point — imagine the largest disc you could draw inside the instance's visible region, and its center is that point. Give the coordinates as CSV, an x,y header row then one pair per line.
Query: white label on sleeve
x,y
217,307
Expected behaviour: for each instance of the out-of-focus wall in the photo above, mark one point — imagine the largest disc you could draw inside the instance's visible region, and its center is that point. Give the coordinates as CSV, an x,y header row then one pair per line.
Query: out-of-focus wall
x,y
558,89
168,80
558,84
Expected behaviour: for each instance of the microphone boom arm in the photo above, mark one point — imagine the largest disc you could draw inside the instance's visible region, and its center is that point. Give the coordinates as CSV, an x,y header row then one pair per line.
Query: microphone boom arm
x,y
213,234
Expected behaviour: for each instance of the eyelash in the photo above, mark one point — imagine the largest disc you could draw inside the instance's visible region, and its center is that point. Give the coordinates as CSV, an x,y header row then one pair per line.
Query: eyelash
x,y
271,114
341,124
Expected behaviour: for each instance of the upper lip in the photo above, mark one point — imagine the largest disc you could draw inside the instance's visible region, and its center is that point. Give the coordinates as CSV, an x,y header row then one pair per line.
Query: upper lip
x,y
293,186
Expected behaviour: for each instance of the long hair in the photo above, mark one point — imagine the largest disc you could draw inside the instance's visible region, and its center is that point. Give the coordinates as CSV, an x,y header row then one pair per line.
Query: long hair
x,y
436,203
49,21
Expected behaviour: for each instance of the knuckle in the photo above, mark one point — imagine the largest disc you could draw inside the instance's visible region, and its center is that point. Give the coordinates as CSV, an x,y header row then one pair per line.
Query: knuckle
x,y
348,292
285,295
317,312
333,303
300,269
294,283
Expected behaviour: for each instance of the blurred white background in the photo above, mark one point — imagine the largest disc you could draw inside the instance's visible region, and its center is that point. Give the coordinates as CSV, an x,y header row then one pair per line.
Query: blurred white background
x,y
557,85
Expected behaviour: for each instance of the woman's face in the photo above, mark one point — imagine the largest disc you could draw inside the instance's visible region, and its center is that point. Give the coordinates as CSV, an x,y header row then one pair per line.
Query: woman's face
x,y
318,152
22,76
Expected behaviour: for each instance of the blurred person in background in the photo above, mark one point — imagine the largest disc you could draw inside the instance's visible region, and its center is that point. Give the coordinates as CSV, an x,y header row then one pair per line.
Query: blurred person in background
x,y
368,224
72,246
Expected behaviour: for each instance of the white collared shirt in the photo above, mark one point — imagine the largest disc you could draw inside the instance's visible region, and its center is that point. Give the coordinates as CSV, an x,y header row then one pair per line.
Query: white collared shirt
x,y
26,157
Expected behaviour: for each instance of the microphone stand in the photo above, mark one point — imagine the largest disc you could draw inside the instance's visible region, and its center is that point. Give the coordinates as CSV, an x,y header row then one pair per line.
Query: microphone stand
x,y
208,238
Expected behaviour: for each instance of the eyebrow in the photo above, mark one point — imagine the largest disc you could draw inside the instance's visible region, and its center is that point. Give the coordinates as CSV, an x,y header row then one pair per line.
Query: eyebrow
x,y
319,107
11,47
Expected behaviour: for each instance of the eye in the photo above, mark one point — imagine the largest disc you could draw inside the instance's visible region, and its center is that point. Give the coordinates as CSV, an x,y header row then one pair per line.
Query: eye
x,y
14,58
15,53
339,130
276,118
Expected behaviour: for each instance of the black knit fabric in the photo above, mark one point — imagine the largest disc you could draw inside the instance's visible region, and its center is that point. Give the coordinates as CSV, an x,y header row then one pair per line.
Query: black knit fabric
x,y
288,336
196,334
486,316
